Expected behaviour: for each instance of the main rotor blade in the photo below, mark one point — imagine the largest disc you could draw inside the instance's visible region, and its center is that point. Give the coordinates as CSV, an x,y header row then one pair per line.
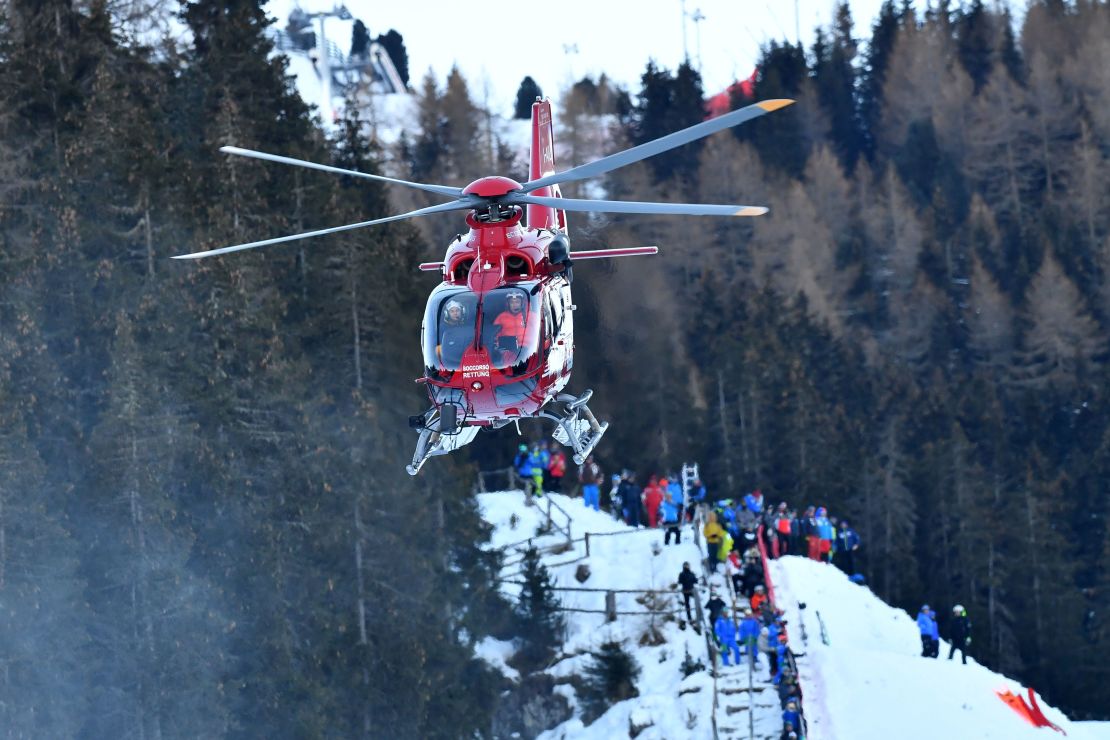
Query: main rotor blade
x,y
440,189
662,144
627,206
457,205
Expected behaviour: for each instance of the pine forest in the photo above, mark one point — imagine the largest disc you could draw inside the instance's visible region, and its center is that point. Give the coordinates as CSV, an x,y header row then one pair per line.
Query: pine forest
x,y
206,528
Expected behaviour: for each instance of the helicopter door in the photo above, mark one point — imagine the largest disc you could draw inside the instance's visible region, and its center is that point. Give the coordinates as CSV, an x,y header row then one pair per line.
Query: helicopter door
x,y
557,309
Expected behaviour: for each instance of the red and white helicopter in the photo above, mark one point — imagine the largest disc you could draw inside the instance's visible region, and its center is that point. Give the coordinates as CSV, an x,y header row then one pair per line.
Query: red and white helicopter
x,y
498,334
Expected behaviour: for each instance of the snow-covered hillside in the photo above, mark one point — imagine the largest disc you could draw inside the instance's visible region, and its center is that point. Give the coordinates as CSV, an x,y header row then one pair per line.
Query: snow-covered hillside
x,y
870,681
867,682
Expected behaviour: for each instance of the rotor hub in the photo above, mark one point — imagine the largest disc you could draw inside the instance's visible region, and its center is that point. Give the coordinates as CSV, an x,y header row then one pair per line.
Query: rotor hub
x,y
492,187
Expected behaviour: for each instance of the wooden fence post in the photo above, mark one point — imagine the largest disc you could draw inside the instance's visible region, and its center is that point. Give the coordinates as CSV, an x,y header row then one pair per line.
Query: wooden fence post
x,y
587,544
610,606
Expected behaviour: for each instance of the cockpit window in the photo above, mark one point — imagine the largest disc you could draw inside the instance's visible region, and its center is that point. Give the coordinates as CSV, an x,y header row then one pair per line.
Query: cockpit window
x,y
509,329
510,325
449,323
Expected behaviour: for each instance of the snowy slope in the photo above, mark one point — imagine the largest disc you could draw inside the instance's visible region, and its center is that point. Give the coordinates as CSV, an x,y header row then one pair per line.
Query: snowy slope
x,y
868,683
670,706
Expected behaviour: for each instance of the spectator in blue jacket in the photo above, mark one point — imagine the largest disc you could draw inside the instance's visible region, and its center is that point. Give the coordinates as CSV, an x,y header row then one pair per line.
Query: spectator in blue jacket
x,y
754,502
726,637
674,487
930,635
791,715
825,533
615,506
521,462
672,519
697,496
749,635
630,500
590,476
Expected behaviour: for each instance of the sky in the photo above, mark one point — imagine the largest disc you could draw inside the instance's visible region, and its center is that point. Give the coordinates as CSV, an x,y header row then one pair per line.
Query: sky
x,y
558,42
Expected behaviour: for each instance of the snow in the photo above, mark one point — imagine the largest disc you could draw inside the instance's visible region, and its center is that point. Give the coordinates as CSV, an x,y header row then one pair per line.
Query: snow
x,y
669,706
496,653
869,682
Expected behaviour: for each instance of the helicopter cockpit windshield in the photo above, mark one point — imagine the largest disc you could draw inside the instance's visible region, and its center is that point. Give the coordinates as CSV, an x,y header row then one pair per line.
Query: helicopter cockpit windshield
x,y
510,325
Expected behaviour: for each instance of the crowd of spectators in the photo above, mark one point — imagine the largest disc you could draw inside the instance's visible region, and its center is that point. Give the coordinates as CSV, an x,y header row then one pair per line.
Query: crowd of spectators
x,y
813,533
748,628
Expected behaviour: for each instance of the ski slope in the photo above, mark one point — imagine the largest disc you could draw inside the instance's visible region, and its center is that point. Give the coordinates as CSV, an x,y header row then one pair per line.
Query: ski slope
x,y
870,681
867,683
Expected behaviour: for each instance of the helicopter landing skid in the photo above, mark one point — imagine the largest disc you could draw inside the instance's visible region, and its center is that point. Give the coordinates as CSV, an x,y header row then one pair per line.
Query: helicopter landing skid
x,y
439,435
577,426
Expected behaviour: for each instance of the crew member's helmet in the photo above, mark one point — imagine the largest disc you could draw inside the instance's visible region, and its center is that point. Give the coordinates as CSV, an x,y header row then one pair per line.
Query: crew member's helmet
x,y
454,312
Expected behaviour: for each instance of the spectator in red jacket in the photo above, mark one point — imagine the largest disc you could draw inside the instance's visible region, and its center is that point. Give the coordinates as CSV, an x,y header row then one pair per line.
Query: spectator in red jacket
x,y
653,499
557,468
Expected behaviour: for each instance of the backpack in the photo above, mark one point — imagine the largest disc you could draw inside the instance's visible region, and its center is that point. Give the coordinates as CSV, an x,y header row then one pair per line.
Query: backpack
x,y
726,547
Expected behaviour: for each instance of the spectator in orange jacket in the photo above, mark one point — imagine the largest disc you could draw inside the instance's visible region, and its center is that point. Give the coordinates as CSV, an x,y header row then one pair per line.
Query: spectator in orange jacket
x,y
758,598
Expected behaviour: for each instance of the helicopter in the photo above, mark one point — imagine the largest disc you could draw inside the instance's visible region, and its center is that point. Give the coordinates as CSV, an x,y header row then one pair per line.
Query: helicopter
x,y
498,336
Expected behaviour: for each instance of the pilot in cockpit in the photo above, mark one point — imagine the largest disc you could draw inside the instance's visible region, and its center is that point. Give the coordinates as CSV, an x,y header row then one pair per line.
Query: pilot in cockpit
x,y
454,334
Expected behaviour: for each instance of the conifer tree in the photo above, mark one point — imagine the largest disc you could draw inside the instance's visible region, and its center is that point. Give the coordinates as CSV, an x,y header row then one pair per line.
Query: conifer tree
x,y
975,42
538,619
360,40
783,73
394,45
835,80
1063,338
44,625
526,94
610,678
669,103
879,48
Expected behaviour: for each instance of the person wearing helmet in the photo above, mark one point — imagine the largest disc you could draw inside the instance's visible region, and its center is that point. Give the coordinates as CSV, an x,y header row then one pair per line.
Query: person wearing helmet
x,y
960,633
521,462
454,333
757,597
509,325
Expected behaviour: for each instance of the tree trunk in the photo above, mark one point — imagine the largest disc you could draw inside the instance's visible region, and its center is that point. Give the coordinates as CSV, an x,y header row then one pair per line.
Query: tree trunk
x,y
745,456
726,441
1034,546
356,331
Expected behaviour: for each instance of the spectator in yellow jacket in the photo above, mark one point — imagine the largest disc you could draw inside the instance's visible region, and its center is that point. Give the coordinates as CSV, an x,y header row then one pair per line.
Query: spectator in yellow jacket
x,y
714,534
